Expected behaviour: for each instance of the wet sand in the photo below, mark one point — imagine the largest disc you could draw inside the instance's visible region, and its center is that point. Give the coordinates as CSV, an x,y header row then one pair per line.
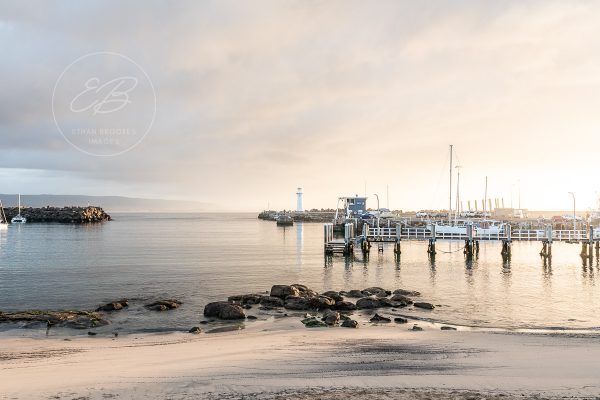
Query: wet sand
x,y
277,361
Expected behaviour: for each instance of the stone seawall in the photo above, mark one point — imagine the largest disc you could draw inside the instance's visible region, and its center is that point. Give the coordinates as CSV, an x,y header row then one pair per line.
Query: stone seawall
x,y
65,215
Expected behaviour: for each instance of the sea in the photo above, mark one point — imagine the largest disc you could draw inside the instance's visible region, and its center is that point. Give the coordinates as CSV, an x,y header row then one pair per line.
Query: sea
x,y
202,257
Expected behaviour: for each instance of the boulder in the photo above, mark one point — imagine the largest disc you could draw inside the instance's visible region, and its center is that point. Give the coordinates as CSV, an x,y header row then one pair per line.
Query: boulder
x,y
400,298
400,320
301,288
320,302
331,317
283,291
350,323
344,306
334,295
404,292
251,317
114,306
195,329
313,322
163,305
271,301
379,318
296,303
416,328
245,298
426,306
368,303
355,294
448,328
224,310
385,302
376,291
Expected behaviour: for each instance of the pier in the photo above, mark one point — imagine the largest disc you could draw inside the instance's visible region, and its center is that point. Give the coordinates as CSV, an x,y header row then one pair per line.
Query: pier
x,y
398,232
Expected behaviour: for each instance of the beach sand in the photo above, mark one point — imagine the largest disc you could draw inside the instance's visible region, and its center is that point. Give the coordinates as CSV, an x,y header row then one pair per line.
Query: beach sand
x,y
287,361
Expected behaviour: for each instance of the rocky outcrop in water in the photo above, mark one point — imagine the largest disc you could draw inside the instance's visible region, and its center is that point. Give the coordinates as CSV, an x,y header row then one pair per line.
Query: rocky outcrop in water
x,y
224,310
64,215
68,319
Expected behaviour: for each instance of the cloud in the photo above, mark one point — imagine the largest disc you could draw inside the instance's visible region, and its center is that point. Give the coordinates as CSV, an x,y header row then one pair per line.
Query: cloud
x,y
262,97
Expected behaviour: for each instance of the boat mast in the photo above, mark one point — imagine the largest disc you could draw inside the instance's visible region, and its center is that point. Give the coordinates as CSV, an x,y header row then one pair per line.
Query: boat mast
x,y
457,194
19,203
485,199
450,199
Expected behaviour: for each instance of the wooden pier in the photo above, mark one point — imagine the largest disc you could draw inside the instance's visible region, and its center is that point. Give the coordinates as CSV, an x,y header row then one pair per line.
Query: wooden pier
x,y
589,238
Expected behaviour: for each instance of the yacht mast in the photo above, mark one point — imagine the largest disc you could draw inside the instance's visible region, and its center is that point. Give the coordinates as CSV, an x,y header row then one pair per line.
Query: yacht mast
x,y
450,199
485,199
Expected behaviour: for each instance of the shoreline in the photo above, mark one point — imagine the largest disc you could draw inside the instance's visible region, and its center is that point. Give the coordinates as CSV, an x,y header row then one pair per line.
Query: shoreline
x,y
270,358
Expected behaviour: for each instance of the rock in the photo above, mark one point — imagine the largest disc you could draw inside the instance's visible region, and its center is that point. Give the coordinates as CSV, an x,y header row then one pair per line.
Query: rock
x,y
320,302
404,292
376,291
331,317
296,303
355,294
271,301
344,317
333,295
312,322
401,299
247,307
224,310
400,320
368,303
384,302
350,323
283,291
92,333
69,319
195,329
416,328
251,317
379,318
114,306
67,215
301,288
426,306
245,298
163,305
448,328
344,306
204,322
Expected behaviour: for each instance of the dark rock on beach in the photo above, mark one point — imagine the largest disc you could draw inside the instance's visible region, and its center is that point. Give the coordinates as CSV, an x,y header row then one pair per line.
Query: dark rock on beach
x,y
350,323
401,299
344,306
448,328
331,317
403,292
425,306
224,310
416,328
245,298
334,295
320,302
368,303
271,301
400,320
296,303
195,329
380,318
376,291
114,306
164,305
69,319
356,294
283,291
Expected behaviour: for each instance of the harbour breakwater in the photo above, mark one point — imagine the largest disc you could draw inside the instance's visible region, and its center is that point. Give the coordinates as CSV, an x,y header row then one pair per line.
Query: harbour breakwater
x,y
65,215
305,216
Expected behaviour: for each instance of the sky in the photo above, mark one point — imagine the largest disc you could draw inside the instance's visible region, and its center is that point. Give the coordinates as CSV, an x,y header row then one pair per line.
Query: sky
x,y
244,101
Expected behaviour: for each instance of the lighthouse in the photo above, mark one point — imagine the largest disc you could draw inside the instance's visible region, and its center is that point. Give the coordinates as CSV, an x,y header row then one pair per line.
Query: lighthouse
x,y
299,200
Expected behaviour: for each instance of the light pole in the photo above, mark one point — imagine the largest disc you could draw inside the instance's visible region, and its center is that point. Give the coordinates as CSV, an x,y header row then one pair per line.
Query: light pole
x,y
378,212
574,219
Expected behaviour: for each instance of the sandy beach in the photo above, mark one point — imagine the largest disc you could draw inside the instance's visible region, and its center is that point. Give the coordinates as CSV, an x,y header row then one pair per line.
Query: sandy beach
x,y
272,361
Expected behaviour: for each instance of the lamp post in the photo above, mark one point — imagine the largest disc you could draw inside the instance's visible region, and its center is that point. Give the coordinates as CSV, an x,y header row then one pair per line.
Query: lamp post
x,y
574,219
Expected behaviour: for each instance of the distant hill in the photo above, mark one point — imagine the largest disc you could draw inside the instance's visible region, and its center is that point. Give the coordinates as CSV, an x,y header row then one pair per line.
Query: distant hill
x,y
108,203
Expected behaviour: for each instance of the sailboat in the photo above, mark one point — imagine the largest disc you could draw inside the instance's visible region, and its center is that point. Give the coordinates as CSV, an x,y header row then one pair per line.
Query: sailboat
x,y
19,219
459,227
3,221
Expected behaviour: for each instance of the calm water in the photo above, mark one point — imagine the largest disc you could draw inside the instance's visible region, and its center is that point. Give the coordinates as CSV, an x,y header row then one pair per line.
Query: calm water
x,y
199,258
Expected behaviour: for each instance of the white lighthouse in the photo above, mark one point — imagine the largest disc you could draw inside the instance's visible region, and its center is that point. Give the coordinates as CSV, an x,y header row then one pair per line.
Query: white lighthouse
x,y
299,200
